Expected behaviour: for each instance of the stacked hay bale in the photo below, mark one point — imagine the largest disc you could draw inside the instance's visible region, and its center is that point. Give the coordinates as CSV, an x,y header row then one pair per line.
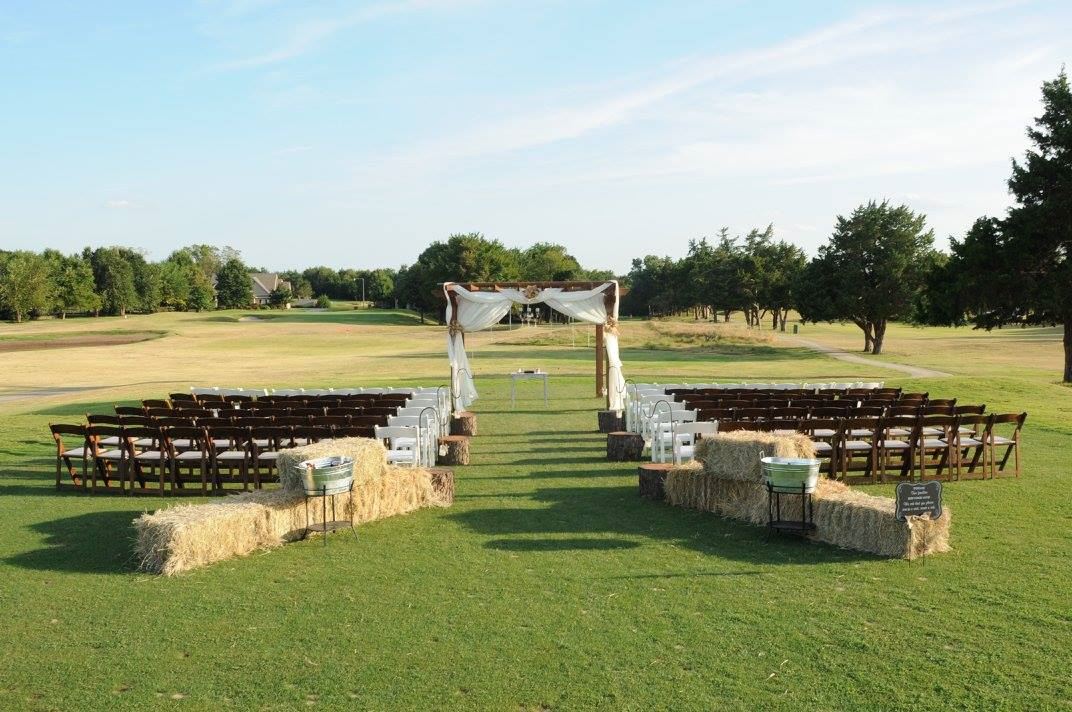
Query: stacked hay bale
x,y
727,479
177,539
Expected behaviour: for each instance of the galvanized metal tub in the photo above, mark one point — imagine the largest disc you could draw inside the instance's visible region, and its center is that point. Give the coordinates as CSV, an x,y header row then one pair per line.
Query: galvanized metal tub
x,y
789,473
327,475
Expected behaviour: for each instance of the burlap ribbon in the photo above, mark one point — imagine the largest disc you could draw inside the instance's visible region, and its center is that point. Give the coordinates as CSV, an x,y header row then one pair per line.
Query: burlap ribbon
x,y
611,325
454,328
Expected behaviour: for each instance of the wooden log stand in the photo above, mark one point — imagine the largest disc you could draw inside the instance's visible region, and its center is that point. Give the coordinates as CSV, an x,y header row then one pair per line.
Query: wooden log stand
x,y
443,483
652,478
457,450
463,423
624,447
611,421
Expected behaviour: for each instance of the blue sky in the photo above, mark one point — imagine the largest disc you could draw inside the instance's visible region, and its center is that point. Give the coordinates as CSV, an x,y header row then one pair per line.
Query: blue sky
x,y
353,134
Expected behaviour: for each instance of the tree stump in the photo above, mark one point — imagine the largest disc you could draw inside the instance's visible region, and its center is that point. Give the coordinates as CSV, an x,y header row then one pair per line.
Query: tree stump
x,y
611,421
624,447
457,450
463,423
652,478
443,484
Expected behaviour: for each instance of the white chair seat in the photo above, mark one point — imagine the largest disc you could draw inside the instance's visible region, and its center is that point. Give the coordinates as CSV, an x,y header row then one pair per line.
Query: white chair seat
x,y
933,431
857,445
109,441
898,432
895,445
144,442
970,442
271,455
182,443
260,443
823,433
110,455
861,432
822,447
998,440
74,452
404,443
784,431
149,455
222,443
231,455
189,455
934,443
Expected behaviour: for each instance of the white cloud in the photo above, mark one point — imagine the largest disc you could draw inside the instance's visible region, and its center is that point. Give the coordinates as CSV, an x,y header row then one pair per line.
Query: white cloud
x,y
118,204
870,34
290,150
309,34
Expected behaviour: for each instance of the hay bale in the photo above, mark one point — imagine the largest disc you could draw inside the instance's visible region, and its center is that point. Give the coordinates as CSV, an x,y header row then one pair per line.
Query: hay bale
x,y
735,455
369,456
177,539
843,516
852,519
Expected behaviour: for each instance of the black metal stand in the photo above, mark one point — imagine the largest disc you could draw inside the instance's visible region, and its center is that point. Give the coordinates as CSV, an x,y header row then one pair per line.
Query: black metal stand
x,y
325,525
801,527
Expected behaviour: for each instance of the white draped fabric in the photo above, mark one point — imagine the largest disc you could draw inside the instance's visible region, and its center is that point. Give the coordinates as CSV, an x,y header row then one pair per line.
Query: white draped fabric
x,y
480,310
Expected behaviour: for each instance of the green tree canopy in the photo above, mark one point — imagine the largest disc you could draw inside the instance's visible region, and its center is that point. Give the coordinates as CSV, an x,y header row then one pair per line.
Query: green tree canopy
x,y
870,271
75,290
234,288
26,285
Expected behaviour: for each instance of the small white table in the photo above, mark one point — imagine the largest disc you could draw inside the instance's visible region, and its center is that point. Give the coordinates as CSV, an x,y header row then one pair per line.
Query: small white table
x,y
523,376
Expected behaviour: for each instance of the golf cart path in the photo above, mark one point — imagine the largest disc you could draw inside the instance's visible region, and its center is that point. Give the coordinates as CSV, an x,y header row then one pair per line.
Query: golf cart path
x,y
842,355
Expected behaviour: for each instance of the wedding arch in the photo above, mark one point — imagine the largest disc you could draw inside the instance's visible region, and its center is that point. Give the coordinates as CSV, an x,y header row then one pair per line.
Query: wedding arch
x,y
474,306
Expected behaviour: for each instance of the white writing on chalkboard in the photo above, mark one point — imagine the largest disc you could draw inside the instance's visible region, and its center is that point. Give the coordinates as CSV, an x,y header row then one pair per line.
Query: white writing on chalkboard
x,y
917,499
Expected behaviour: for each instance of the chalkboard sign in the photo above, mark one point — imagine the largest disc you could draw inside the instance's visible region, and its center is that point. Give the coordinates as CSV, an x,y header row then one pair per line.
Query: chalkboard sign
x,y
918,498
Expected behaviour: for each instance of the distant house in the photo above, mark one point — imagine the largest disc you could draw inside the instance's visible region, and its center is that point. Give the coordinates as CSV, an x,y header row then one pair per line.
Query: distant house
x,y
264,283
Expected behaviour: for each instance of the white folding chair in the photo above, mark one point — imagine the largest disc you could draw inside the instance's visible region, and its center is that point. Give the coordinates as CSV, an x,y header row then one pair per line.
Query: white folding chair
x,y
397,454
685,437
663,435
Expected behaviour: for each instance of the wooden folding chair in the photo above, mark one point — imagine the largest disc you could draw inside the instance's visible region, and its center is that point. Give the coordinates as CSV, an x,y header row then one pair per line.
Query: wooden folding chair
x,y
973,434
145,455
125,410
110,463
824,434
228,448
857,439
1011,442
895,446
937,446
267,441
65,456
192,456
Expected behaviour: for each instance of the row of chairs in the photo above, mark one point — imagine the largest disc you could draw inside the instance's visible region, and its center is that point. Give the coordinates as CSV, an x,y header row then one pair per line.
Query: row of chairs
x,y
138,457
909,447
847,432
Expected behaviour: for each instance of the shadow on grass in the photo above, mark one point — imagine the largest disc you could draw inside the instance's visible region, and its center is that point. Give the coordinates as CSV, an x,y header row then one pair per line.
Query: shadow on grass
x,y
577,516
571,544
95,542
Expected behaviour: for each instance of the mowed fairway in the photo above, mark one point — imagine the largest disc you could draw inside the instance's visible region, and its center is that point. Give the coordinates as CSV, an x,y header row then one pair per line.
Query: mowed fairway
x,y
549,585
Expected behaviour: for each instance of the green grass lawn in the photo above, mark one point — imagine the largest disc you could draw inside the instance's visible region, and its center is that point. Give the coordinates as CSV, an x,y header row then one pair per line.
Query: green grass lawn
x,y
549,585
